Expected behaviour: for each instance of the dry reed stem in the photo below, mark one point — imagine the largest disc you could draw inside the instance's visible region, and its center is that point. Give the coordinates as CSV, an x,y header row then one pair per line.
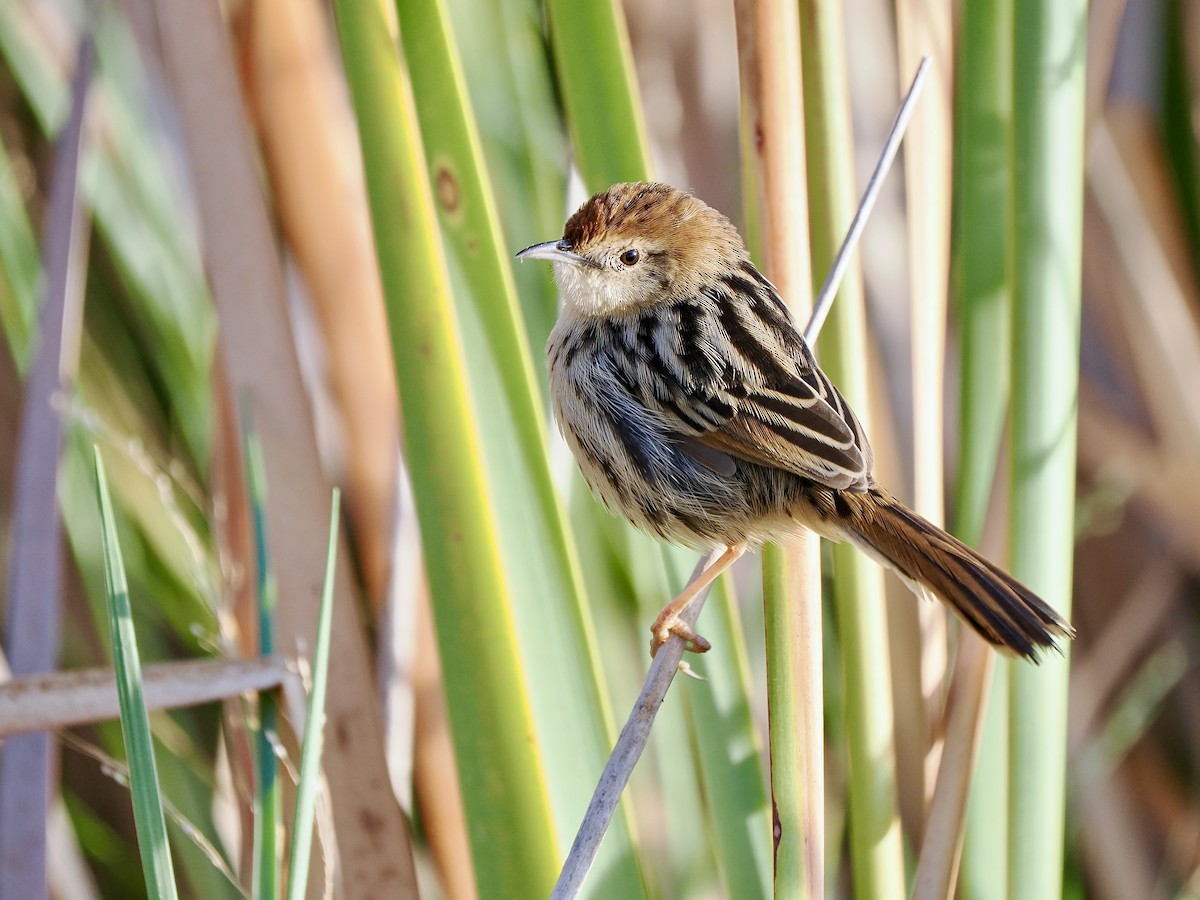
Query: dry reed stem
x,y
83,696
941,851
33,615
257,350
924,29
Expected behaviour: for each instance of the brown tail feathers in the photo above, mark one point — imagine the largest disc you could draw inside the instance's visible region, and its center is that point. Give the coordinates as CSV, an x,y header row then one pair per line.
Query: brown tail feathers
x,y
1004,612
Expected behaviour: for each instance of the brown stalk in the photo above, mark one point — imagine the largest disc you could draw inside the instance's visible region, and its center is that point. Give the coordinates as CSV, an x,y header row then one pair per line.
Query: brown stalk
x,y
375,855
306,130
84,696
435,773
1174,822
238,616
1113,845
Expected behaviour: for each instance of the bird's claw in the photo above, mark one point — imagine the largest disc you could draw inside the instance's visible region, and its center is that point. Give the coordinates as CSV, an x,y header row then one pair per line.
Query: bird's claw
x,y
669,625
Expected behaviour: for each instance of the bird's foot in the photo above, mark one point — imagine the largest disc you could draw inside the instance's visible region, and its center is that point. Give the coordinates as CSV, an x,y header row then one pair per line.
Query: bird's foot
x,y
669,623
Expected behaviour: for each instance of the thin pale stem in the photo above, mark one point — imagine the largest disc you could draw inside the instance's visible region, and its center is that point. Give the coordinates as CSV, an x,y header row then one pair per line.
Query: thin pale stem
x,y
833,280
629,747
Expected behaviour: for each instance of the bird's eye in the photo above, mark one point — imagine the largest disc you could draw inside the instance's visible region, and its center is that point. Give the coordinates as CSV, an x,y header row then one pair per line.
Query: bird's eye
x,y
631,256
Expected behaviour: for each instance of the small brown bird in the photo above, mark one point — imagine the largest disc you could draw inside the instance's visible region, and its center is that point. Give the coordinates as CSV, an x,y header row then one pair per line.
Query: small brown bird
x,y
695,409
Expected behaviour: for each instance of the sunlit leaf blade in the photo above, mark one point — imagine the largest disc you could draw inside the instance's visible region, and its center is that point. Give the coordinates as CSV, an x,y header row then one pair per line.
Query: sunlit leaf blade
x,y
504,55
309,784
551,610
512,830
600,101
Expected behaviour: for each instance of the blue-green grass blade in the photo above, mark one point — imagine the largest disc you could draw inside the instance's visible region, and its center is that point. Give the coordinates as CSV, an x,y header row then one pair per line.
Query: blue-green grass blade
x,y
135,722
267,796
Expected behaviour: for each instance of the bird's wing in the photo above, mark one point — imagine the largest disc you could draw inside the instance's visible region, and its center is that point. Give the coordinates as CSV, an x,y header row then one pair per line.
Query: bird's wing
x,y
795,426
744,383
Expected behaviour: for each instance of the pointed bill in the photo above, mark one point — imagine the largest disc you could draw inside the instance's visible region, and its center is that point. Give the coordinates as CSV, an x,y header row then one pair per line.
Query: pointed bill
x,y
555,251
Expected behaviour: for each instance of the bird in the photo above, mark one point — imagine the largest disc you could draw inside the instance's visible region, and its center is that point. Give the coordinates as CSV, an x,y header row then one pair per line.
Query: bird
x,y
695,409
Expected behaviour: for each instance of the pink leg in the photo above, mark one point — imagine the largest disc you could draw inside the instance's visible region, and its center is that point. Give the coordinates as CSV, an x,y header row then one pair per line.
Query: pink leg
x,y
669,622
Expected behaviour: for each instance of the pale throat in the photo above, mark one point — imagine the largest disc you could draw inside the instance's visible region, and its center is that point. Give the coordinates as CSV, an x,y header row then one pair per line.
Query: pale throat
x,y
589,292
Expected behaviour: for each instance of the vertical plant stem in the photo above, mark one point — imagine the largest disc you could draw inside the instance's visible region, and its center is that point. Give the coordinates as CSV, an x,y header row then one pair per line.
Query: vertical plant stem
x,y
769,60
924,29
979,270
937,866
982,187
1048,110
795,711
875,844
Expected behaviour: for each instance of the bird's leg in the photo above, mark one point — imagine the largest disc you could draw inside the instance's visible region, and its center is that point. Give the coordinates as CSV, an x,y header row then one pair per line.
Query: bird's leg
x,y
669,622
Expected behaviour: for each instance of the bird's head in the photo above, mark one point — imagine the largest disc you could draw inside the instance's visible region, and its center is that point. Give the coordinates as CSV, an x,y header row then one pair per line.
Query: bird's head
x,y
636,245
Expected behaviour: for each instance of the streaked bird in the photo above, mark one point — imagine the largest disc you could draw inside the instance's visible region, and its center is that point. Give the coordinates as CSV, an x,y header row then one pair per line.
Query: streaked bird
x,y
695,409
